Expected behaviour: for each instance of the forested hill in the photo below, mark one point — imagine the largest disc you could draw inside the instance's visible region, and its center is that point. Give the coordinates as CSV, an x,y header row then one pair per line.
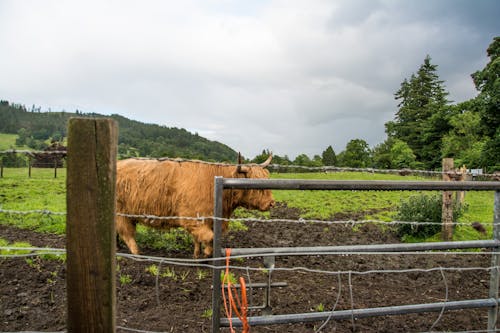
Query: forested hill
x,y
36,129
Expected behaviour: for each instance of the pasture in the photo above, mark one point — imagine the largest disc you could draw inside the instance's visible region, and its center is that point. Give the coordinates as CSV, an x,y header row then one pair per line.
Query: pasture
x,y
162,297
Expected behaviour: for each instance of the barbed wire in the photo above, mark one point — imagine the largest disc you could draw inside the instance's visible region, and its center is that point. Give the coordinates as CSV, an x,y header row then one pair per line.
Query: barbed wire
x,y
201,219
40,251
33,211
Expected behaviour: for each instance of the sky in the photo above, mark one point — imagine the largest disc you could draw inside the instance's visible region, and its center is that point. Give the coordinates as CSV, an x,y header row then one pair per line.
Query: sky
x,y
290,76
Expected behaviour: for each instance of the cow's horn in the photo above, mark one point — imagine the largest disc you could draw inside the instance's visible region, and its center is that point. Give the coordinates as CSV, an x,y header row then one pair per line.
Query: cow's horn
x,y
267,162
241,169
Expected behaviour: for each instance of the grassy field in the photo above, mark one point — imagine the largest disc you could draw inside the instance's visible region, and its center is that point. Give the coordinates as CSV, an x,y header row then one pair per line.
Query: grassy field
x,y
44,192
8,141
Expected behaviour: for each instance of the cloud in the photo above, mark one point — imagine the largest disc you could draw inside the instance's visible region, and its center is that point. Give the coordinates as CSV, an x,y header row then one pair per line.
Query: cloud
x,y
291,76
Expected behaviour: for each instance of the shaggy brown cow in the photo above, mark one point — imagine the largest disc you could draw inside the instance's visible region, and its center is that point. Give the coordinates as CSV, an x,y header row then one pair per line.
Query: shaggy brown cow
x,y
165,187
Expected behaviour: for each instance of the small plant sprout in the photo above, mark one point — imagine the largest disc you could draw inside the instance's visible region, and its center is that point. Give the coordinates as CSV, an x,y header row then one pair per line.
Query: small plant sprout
x,y
153,270
207,313
184,275
201,274
320,307
230,278
125,279
169,273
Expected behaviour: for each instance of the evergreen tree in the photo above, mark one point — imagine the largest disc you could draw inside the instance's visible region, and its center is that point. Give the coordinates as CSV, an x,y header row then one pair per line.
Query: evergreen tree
x,y
329,157
487,82
422,116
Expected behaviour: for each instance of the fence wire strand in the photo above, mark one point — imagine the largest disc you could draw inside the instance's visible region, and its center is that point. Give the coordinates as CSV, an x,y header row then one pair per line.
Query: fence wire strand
x,y
202,219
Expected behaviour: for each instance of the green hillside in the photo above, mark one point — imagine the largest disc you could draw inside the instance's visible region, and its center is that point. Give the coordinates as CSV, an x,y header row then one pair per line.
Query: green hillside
x,y
35,129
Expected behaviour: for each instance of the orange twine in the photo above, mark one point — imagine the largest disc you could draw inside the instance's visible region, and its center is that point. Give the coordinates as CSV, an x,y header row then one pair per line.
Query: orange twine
x,y
234,300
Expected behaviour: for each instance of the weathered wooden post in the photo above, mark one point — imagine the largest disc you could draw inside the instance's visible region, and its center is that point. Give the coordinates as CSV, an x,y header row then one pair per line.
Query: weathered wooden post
x,y
90,231
462,175
29,166
447,208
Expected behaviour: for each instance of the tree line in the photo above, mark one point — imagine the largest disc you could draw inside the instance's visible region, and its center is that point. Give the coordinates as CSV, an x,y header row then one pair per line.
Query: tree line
x,y
36,129
428,127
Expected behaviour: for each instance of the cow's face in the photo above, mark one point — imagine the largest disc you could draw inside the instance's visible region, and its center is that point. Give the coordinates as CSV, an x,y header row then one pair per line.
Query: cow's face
x,y
253,199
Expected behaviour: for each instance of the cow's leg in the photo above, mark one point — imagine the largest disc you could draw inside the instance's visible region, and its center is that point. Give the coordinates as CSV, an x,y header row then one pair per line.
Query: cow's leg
x,y
197,249
126,230
208,249
202,234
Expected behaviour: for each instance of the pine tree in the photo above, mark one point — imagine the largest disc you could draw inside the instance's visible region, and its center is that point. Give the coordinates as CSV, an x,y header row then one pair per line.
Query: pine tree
x,y
328,156
422,118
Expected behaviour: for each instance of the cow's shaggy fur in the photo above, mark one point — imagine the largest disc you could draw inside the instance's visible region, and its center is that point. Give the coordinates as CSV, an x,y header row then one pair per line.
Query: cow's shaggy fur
x,y
181,189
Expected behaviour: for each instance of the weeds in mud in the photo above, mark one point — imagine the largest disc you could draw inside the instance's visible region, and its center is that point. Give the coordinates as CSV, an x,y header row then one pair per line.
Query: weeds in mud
x,y
125,279
201,274
152,269
320,307
207,313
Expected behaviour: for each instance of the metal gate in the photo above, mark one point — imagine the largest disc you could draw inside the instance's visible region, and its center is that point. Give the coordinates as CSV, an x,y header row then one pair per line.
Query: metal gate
x,y
490,303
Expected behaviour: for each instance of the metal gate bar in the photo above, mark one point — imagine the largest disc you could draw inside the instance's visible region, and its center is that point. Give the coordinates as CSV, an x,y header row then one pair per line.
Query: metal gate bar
x,y
411,247
364,313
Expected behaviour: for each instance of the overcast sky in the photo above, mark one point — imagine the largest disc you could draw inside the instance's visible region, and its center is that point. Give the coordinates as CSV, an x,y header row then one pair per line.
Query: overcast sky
x,y
290,76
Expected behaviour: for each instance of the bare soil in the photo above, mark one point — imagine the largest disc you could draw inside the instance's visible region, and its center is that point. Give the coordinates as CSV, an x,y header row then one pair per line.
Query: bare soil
x,y
33,297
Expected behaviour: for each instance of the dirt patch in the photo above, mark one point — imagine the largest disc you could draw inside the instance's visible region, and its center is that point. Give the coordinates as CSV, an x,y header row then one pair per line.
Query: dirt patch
x,y
33,297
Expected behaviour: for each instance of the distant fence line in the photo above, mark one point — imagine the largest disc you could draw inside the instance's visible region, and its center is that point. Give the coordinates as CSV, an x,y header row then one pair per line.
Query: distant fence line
x,y
290,167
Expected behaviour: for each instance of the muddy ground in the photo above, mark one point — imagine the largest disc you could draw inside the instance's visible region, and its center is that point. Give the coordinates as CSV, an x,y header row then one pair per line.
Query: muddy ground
x,y
32,292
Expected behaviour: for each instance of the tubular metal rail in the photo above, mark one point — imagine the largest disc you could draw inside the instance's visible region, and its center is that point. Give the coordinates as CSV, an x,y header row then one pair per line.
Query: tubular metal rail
x,y
491,303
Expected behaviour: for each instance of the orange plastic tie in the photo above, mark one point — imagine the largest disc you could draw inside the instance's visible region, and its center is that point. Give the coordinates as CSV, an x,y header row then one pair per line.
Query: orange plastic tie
x,y
233,302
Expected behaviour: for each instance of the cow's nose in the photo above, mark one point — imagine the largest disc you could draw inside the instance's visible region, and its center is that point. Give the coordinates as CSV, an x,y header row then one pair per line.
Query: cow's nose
x,y
272,204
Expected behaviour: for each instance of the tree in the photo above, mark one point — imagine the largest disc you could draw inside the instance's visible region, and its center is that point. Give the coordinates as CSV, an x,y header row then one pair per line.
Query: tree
x,y
357,154
393,154
463,139
328,156
302,160
487,82
422,116
381,155
401,155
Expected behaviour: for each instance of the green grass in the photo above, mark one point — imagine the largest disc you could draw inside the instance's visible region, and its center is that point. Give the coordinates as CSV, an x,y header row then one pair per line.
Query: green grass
x,y
325,205
378,205
8,141
44,192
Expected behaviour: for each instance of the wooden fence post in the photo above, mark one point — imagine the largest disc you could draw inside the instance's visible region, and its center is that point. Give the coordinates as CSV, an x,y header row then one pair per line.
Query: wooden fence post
x,y
447,213
90,230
